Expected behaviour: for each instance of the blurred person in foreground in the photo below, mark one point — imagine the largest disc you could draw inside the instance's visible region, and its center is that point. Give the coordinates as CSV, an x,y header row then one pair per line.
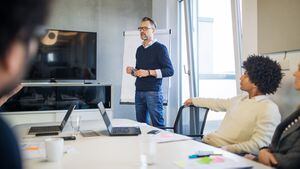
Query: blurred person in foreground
x,y
20,20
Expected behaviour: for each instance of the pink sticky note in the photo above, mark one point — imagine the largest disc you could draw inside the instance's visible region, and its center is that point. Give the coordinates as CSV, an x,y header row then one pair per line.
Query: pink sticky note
x,y
218,159
166,135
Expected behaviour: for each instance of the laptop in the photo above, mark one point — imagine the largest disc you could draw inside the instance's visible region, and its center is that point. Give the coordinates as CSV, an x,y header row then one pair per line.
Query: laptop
x,y
52,129
117,131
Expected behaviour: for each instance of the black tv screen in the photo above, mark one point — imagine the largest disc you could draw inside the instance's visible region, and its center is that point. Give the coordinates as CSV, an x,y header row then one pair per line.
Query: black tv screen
x,y
41,98
65,55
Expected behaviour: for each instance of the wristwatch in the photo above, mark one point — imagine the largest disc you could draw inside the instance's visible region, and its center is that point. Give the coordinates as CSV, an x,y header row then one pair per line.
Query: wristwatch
x,y
133,72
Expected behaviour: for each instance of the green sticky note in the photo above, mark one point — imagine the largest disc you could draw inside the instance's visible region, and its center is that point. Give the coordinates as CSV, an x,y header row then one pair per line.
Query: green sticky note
x,y
204,160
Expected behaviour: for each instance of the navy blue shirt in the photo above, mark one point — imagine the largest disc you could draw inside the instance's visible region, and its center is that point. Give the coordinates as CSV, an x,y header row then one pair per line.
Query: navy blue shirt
x,y
153,57
9,150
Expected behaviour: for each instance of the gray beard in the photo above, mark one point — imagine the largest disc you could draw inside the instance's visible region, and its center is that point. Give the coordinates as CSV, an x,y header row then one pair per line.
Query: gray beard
x,y
144,37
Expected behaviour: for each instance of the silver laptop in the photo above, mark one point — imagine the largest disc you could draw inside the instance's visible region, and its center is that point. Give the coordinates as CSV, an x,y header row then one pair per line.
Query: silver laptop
x,y
52,129
117,131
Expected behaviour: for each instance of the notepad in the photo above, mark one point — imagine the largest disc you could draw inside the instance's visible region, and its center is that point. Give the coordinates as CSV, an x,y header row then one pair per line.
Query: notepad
x,y
36,150
212,162
165,137
33,150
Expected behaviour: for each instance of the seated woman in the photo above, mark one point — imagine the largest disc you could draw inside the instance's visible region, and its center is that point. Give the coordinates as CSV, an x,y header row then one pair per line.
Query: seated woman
x,y
284,151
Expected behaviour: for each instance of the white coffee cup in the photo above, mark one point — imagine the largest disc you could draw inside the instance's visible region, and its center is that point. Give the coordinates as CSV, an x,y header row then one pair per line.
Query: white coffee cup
x,y
54,149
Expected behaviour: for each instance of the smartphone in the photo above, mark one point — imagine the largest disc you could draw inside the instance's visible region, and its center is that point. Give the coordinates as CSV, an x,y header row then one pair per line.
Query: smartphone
x,y
66,138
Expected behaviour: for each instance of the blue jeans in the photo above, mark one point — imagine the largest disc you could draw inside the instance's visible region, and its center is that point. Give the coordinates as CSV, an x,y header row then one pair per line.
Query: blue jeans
x,y
149,103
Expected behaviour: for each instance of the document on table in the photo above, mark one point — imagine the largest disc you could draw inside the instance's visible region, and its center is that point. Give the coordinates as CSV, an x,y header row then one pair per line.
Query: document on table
x,y
211,162
36,150
33,150
164,137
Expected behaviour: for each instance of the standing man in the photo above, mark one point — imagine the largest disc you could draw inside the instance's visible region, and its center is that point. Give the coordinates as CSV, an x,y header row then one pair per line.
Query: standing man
x,y
19,22
152,64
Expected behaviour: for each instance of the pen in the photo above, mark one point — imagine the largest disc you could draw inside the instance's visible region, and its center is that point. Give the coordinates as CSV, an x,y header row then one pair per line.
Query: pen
x,y
204,155
216,154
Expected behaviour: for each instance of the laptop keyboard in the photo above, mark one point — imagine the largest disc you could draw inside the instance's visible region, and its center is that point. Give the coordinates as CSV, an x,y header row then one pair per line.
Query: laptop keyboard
x,y
120,130
44,129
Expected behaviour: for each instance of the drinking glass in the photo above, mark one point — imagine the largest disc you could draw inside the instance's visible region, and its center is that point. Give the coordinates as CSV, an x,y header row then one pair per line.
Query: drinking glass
x,y
75,123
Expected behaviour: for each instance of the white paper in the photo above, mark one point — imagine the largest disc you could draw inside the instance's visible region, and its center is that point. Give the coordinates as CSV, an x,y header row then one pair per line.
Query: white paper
x,y
164,137
220,163
33,150
36,150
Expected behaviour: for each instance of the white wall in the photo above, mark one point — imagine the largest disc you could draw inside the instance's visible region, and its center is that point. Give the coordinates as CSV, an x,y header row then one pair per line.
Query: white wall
x,y
278,25
249,27
160,13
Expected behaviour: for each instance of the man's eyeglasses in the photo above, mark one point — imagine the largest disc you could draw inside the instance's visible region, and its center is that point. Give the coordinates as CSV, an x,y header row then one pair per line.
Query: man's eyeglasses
x,y
143,28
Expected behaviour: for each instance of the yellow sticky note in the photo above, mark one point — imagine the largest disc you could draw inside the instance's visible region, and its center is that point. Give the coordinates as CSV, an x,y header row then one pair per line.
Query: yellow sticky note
x,y
204,160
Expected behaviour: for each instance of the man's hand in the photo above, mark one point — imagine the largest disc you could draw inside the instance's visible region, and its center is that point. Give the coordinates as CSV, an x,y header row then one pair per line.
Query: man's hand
x,y
129,69
142,73
266,157
3,99
188,102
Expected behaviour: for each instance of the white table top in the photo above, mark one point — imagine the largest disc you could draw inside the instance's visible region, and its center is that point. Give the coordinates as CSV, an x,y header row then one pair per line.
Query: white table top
x,y
122,152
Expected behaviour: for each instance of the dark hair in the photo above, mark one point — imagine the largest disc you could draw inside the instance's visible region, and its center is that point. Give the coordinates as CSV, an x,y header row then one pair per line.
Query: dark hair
x,y
19,19
263,72
150,20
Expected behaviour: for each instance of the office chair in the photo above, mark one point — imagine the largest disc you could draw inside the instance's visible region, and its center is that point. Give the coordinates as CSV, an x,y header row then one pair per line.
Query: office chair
x,y
190,121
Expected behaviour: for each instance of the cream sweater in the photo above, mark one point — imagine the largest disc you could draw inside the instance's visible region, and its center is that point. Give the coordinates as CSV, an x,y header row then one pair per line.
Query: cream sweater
x,y
248,124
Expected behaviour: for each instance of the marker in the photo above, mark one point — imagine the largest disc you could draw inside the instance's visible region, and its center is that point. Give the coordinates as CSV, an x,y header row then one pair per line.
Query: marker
x,y
203,155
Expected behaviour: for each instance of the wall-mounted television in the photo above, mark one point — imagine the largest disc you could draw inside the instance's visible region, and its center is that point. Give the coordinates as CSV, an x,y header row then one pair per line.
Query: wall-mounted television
x,y
65,55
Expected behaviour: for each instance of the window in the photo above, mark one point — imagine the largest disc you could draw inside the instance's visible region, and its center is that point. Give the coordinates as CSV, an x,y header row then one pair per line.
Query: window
x,y
214,56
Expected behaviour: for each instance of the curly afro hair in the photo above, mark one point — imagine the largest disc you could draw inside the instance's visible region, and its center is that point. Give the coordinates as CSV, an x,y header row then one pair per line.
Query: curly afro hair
x,y
264,73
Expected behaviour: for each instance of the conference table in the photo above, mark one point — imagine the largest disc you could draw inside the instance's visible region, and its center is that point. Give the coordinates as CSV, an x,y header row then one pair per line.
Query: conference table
x,y
124,152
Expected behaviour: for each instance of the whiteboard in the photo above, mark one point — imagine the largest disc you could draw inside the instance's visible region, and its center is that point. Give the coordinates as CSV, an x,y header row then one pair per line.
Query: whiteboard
x,y
132,41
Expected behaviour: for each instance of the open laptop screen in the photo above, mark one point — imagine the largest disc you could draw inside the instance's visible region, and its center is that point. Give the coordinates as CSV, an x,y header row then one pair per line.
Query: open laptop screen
x,y
63,123
104,115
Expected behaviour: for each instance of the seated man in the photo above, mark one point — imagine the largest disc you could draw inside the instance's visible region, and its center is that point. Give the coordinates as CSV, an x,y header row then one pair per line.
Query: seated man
x,y
284,151
251,119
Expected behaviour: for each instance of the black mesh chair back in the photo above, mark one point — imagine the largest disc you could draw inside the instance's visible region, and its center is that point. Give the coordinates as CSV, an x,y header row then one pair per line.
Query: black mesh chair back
x,y
190,121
